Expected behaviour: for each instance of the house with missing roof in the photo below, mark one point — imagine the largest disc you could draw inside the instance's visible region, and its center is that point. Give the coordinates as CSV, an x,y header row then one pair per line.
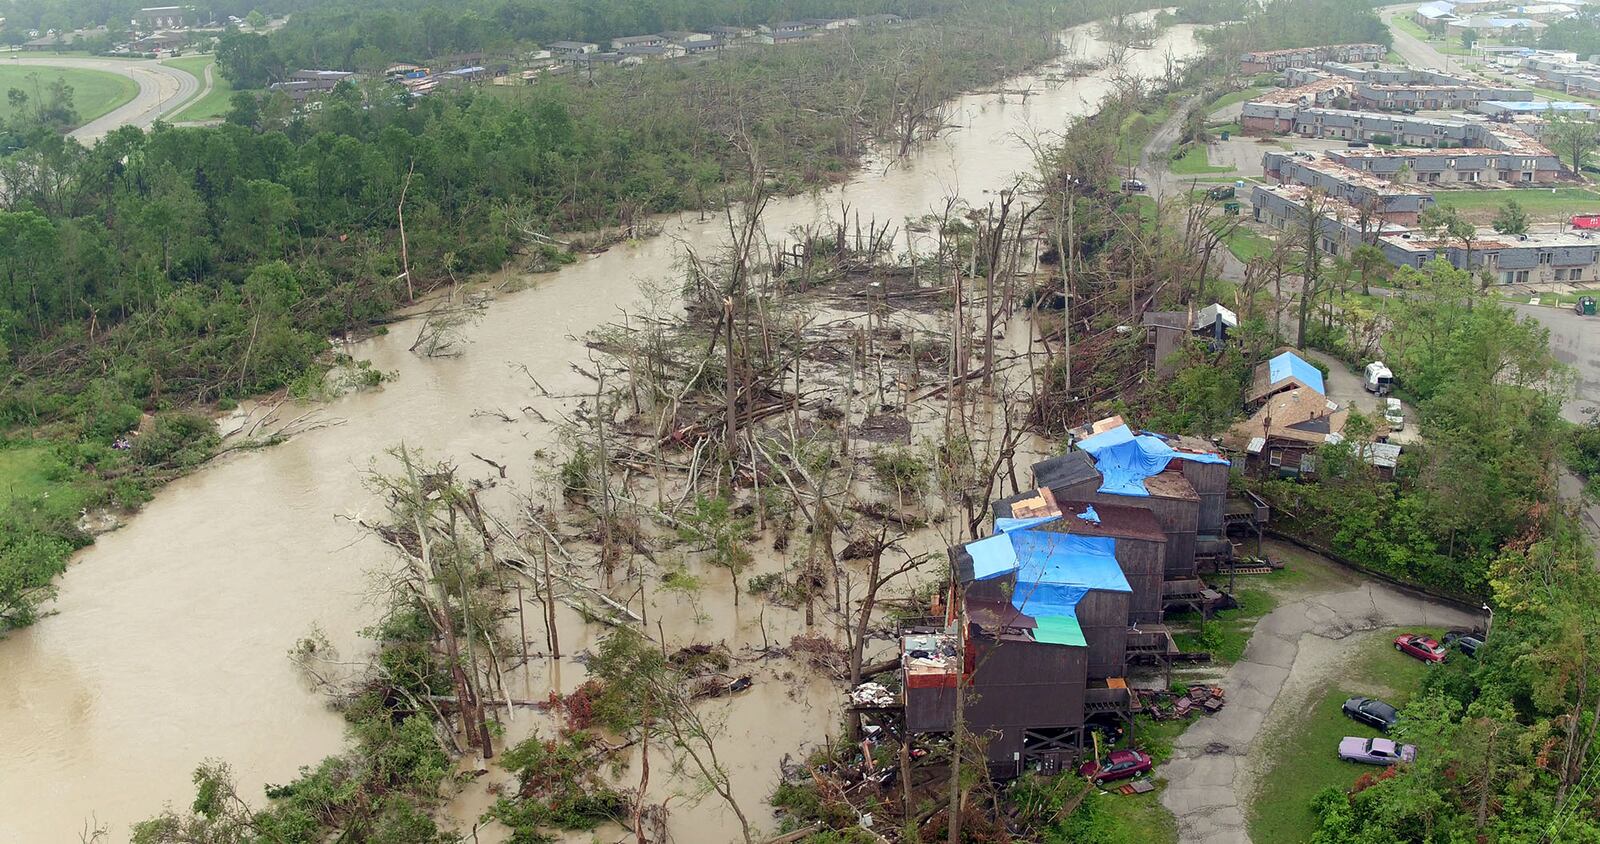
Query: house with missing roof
x,y
1044,617
1166,331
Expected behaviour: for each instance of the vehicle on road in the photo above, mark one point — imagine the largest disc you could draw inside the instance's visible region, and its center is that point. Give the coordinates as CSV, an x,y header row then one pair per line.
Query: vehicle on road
x,y
1133,186
1394,414
1372,712
1118,765
1375,751
1378,380
1466,641
1584,306
1419,646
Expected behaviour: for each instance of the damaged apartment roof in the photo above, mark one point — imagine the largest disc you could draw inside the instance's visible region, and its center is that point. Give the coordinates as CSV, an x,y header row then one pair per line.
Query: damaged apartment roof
x,y
1054,568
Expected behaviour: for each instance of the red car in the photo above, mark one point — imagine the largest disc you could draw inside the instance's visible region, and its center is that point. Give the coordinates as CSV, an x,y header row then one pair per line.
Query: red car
x,y
1420,647
1118,765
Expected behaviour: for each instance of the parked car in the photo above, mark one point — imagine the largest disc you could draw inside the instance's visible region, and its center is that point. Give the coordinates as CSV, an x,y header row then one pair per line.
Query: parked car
x,y
1466,641
1133,186
1118,765
1394,414
1375,751
1358,145
1420,647
1372,712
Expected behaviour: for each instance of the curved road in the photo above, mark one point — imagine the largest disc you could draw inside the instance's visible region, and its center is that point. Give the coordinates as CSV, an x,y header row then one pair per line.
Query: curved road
x,y
162,90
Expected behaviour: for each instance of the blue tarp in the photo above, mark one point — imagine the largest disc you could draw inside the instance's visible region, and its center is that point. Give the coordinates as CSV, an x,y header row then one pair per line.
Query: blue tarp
x,y
1291,365
1054,571
1125,460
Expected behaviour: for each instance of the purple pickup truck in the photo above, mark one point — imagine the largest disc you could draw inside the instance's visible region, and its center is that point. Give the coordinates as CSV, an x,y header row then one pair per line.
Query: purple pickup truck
x,y
1375,751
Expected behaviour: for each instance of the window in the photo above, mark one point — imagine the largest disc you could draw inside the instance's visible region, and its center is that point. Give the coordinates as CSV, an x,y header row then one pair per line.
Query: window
x,y
1546,257
1275,457
1561,275
1471,176
1422,261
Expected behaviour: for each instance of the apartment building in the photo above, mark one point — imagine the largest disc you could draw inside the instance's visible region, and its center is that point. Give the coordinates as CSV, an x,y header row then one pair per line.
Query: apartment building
x,y
1393,202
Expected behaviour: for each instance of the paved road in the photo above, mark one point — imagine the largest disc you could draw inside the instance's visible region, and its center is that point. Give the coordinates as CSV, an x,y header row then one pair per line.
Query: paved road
x,y
162,90
1154,170
1214,763
1414,50
1575,341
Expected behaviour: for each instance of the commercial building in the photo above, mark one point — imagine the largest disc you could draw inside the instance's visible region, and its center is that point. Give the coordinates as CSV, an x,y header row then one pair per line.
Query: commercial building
x,y
1515,109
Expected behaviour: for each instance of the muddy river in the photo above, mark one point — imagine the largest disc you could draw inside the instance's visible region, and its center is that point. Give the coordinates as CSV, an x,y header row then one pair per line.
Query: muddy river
x,y
169,639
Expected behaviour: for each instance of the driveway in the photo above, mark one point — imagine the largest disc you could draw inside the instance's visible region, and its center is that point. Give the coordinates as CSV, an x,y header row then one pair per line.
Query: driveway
x,y
1216,763
162,90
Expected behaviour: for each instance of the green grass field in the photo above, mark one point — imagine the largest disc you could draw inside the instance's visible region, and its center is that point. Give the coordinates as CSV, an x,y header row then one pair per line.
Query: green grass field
x,y
212,105
94,92
1195,162
1305,749
1448,46
29,470
1245,243
1236,97
1545,204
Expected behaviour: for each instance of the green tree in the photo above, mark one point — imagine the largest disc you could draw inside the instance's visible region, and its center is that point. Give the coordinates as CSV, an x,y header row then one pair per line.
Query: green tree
x,y
721,534
1573,139
1511,218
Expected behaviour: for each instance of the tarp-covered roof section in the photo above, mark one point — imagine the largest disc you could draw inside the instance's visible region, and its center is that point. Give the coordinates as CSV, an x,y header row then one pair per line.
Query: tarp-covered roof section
x,y
1284,371
1125,459
1053,570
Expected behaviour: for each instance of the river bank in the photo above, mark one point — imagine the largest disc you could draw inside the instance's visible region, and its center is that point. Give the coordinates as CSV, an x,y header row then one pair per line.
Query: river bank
x,y
169,646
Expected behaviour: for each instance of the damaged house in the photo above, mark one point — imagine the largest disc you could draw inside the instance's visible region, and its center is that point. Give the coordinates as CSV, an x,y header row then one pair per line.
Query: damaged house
x,y
1070,590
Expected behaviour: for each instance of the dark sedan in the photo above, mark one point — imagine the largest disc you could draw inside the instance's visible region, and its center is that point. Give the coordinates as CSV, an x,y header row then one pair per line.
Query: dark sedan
x,y
1118,765
1372,712
1466,641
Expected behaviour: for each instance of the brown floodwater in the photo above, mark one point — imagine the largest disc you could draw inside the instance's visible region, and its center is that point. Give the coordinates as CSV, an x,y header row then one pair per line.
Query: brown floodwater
x,y
169,639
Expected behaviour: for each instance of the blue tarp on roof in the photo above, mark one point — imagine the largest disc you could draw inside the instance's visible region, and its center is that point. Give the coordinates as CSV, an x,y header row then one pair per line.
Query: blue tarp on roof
x,y
1291,365
1054,571
1125,459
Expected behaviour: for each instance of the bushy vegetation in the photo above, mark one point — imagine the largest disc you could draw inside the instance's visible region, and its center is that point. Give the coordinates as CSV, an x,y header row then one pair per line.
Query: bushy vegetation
x,y
1487,390
1506,739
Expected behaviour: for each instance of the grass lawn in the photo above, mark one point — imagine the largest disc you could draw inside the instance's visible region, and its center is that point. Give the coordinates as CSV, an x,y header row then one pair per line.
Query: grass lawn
x,y
30,470
1541,203
1236,97
1228,631
1550,299
1141,819
212,105
1305,758
1246,243
1194,162
94,92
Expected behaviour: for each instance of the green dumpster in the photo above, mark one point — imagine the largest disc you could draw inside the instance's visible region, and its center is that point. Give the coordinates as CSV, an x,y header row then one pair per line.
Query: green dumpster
x,y
1232,209
1584,306
1224,136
